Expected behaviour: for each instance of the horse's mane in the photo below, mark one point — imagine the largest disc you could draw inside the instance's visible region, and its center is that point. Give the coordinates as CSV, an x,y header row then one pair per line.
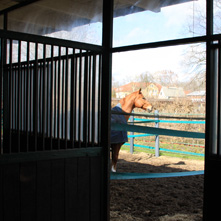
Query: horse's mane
x,y
123,100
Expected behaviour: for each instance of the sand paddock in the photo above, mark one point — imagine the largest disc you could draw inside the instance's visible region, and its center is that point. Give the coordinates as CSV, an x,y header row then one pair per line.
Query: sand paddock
x,y
163,199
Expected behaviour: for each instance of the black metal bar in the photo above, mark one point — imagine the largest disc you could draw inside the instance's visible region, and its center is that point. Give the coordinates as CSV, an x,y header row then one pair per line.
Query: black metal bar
x,y
48,99
73,100
19,117
11,88
219,102
85,107
89,98
62,98
51,99
59,92
31,100
106,103
28,85
55,99
44,111
50,41
35,98
99,100
208,204
5,96
1,107
17,6
152,45
93,98
40,99
66,97
79,99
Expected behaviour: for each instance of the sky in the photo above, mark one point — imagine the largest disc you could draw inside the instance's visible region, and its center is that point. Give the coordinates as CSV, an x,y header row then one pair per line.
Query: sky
x,y
172,22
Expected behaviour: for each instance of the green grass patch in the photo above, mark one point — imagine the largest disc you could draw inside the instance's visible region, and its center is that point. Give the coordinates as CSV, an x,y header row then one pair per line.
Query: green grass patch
x,y
162,153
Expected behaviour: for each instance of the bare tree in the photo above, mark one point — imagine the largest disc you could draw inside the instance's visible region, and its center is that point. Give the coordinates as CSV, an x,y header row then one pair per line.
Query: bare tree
x,y
145,77
195,55
166,78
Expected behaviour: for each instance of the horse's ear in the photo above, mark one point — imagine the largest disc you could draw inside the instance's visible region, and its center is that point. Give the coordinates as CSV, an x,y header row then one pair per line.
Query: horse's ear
x,y
140,91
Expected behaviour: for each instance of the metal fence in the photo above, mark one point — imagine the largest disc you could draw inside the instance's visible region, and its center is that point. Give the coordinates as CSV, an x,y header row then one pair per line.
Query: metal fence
x,y
50,95
157,141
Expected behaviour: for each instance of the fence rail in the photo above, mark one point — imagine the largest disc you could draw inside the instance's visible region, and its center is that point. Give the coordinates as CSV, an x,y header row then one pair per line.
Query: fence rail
x,y
156,131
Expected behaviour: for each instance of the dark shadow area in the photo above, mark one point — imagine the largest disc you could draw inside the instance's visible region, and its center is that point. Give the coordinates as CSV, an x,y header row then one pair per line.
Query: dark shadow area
x,y
149,199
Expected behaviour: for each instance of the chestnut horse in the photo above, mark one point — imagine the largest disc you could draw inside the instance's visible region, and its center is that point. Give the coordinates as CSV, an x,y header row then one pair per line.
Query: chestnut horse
x,y
127,104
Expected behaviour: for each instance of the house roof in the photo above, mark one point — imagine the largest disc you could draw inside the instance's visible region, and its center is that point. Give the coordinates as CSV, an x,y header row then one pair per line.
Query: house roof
x,y
131,87
197,93
46,16
173,92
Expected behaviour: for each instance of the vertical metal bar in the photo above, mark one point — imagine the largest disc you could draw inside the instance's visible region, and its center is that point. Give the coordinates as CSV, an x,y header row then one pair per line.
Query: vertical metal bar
x,y
51,99
10,95
44,97
106,103
1,114
40,99
99,100
48,100
79,100
85,107
66,97
27,96
4,74
132,138
55,100
93,98
59,91
89,100
4,95
209,204
73,99
22,99
219,102
35,96
157,143
31,100
19,119
62,97
47,97
209,83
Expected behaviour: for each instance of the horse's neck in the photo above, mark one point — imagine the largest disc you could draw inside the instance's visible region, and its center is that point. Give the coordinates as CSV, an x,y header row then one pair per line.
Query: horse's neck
x,y
126,107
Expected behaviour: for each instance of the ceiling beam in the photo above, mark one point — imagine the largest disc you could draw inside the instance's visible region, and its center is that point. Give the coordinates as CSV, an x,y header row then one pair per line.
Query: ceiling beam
x,y
19,5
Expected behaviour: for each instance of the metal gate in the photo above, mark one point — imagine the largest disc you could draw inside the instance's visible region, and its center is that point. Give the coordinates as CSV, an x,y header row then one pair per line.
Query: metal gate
x,y
51,164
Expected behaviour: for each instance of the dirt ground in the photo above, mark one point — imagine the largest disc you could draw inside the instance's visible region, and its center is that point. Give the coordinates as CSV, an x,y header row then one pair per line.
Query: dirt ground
x,y
163,199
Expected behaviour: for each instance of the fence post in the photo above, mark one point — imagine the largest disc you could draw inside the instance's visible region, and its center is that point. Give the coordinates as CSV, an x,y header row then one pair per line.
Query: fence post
x,y
157,146
132,138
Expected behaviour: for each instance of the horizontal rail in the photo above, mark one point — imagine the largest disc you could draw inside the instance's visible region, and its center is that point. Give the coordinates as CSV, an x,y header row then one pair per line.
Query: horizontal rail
x,y
167,150
132,176
156,131
140,135
49,40
138,120
159,116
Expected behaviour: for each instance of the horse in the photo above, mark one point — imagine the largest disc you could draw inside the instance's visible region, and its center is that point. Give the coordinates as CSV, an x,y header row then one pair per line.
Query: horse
x,y
125,105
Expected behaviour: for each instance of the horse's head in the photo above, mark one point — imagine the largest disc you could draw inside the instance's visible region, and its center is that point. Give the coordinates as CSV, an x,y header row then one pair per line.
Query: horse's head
x,y
141,102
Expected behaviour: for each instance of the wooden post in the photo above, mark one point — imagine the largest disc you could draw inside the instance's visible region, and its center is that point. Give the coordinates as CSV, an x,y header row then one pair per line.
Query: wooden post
x,y
157,146
132,138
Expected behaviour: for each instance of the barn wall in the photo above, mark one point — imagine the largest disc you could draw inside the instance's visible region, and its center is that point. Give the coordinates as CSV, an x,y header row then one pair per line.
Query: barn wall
x,y
62,186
